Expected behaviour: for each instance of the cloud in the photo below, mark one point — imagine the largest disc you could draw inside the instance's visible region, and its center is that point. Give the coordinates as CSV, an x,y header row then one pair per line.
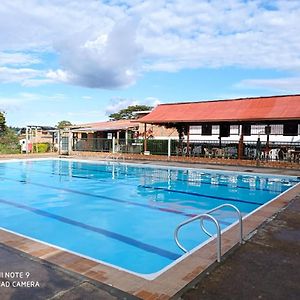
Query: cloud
x,y
108,61
86,97
28,77
9,75
20,100
17,59
110,44
290,84
116,104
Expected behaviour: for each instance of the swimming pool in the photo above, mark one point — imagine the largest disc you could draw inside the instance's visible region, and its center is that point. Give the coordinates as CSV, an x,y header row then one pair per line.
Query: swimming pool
x,y
123,215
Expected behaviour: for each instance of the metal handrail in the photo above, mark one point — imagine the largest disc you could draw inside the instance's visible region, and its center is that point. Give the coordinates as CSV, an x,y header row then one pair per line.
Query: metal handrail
x,y
207,215
240,219
196,218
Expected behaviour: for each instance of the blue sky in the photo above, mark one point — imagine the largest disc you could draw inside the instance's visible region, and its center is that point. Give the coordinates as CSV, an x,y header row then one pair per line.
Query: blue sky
x,y
82,60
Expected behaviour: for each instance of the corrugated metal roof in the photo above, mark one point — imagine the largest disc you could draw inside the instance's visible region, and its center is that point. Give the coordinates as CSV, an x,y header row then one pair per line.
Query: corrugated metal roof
x,y
107,126
246,109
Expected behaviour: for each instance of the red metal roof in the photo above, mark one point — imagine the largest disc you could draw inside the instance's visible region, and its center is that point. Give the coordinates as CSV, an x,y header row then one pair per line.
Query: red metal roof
x,y
107,126
246,109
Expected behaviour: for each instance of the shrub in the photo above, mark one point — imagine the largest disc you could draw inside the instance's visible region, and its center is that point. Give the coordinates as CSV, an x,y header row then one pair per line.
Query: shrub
x,y
42,147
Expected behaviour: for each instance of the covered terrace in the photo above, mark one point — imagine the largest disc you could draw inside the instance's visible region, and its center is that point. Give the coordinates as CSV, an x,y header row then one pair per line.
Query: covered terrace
x,y
100,136
275,113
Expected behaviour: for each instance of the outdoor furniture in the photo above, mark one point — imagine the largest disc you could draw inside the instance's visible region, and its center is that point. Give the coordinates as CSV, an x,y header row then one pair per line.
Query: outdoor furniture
x,y
295,155
197,151
219,152
207,152
274,154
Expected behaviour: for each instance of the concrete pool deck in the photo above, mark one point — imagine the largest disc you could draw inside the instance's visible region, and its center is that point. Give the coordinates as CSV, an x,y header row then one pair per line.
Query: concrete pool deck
x,y
266,267
173,282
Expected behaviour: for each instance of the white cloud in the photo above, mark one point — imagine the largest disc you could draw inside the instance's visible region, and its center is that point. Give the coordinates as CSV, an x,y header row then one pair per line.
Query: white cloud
x,y
58,75
17,59
86,97
116,104
26,76
105,62
9,75
20,100
290,84
109,44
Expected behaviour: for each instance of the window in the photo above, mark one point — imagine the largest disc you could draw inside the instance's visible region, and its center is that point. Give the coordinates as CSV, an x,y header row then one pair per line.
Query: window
x,y
290,128
84,135
268,129
224,130
246,129
206,129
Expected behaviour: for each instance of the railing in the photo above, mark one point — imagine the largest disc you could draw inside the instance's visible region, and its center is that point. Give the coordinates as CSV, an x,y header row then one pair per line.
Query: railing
x,y
275,151
207,215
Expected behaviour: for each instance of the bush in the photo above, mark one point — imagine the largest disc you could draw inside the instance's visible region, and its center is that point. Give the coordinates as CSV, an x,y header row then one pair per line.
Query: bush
x,y
159,147
41,147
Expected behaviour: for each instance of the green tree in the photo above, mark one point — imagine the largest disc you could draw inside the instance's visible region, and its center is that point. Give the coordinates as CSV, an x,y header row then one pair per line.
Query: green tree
x,y
128,113
2,123
63,124
9,142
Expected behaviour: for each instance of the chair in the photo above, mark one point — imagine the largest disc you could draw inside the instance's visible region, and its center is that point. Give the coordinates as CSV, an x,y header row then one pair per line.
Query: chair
x,y
274,154
207,152
220,152
197,151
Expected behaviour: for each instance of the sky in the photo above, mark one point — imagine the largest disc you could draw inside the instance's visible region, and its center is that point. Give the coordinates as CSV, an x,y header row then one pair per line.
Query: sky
x,y
83,60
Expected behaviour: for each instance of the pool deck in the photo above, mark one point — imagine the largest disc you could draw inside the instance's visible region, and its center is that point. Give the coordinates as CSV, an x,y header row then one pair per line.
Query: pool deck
x,y
266,267
54,282
175,282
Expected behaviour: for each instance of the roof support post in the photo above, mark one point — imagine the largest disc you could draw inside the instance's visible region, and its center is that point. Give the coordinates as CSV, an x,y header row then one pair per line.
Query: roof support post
x,y
59,141
267,131
169,147
70,141
118,137
113,145
145,137
188,141
241,144
220,138
27,139
126,137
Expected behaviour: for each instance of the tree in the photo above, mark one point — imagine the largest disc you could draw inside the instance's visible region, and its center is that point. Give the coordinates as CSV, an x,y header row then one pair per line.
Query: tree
x,y
2,123
9,142
128,113
63,124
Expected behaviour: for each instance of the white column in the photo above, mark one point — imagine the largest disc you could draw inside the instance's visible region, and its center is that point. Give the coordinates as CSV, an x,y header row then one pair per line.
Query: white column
x,y
126,137
113,144
169,147
35,139
59,141
27,140
70,137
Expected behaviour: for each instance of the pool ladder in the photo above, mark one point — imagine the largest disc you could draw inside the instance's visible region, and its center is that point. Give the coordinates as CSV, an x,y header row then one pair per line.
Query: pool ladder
x,y
207,215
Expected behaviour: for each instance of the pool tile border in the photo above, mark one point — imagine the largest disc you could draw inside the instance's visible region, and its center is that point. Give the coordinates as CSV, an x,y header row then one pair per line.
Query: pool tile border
x,y
169,282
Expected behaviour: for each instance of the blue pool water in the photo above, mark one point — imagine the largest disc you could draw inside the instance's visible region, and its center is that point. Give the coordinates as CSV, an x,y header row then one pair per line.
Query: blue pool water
x,y
124,215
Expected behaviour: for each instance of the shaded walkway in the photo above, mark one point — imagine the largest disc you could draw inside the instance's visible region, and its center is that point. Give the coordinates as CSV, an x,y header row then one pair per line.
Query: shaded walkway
x,y
266,267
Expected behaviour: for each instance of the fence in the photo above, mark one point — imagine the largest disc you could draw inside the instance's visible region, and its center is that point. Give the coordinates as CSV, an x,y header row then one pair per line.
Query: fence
x,y
210,149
